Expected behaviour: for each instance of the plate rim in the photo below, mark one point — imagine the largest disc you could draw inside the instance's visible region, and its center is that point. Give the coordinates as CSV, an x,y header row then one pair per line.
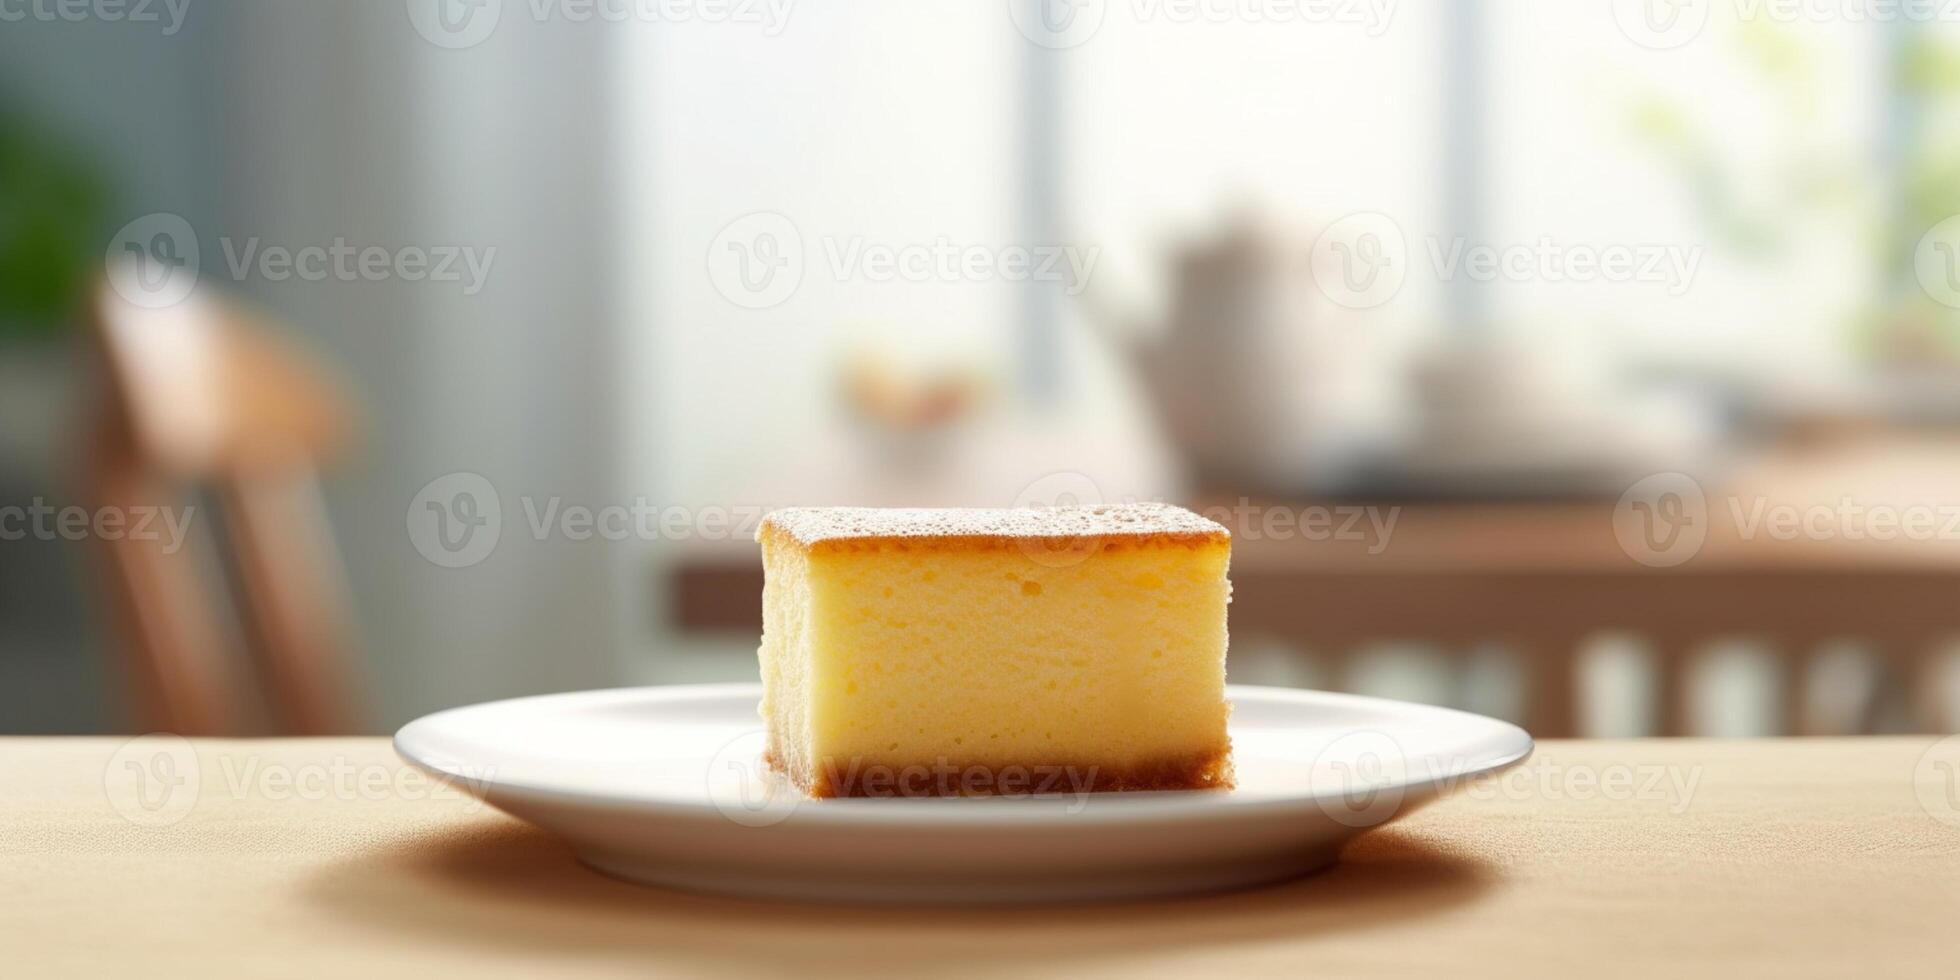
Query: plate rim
x,y
1137,807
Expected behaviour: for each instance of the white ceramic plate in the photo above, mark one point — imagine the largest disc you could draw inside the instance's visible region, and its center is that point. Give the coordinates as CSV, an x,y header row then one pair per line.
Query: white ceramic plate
x,y
665,785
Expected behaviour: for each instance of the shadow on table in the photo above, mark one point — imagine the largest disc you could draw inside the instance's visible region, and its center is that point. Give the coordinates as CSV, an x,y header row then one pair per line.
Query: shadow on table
x,y
503,886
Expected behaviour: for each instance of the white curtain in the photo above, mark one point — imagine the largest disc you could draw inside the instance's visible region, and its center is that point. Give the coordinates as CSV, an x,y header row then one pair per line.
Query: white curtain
x,y
340,120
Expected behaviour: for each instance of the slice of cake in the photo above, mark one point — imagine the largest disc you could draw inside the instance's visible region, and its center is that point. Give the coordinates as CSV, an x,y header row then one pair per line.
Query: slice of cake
x,y
981,652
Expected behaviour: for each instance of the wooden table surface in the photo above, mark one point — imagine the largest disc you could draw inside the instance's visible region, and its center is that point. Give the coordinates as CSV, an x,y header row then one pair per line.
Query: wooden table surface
x,y
1636,858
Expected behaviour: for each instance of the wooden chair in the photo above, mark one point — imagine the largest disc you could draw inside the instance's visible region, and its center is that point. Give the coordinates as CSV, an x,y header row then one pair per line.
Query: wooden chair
x,y
201,396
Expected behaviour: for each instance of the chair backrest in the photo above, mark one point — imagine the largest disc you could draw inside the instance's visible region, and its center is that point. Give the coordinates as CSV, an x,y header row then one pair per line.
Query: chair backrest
x,y
202,395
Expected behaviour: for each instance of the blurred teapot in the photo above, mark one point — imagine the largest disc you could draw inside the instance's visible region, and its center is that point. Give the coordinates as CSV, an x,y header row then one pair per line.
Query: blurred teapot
x,y
1261,382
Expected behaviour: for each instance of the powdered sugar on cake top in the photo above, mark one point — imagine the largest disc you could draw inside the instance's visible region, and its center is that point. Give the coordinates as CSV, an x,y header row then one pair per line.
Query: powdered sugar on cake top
x,y
810,525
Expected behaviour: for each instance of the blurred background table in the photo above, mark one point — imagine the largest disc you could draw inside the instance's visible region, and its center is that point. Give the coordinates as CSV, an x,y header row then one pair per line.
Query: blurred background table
x,y
1819,857
1541,578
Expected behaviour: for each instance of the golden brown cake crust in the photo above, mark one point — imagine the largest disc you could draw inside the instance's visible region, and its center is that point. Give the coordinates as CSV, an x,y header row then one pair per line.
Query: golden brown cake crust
x,y
842,778
851,528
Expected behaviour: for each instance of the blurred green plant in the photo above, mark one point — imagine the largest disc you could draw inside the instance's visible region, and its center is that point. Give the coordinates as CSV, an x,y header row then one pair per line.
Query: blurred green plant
x,y
1911,328
52,204
1756,215
1929,84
